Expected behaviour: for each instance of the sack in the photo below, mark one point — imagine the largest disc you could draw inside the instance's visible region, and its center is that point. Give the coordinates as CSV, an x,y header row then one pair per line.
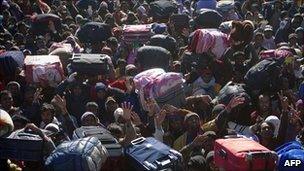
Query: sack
x,y
164,87
136,33
204,40
275,53
43,69
151,154
243,154
91,64
86,154
264,76
165,41
107,140
288,146
229,90
9,61
226,9
153,57
22,145
208,18
162,10
180,21
94,32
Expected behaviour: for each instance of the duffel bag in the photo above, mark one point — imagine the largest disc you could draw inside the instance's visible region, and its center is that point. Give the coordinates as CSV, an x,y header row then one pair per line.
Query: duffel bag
x,y
91,64
9,61
151,154
230,90
153,57
162,10
240,154
275,53
94,32
107,140
137,33
85,154
264,76
23,145
204,40
43,69
165,41
207,18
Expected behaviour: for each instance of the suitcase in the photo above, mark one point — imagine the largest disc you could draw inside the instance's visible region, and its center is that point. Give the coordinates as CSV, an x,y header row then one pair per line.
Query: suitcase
x,y
43,69
239,154
85,154
151,154
22,145
111,144
137,33
91,64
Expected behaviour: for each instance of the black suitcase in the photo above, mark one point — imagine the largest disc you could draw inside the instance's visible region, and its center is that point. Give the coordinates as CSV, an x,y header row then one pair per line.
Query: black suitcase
x,y
104,136
21,145
90,64
151,154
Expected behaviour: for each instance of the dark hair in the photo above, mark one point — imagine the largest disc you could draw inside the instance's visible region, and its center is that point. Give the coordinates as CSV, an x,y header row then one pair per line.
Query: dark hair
x,y
115,129
48,107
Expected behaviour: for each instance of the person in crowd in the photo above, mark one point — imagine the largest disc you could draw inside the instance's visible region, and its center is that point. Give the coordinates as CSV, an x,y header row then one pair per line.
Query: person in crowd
x,y
130,106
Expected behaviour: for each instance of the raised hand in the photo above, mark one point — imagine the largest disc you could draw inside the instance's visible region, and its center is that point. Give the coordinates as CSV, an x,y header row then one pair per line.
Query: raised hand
x,y
127,110
160,117
135,118
284,101
234,102
38,96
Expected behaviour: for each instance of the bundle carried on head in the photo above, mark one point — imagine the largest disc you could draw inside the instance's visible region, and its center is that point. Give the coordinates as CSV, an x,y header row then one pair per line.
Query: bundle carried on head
x,y
241,34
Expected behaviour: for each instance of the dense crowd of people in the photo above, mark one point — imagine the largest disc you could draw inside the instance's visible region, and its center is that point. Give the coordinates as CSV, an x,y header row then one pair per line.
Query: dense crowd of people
x,y
254,30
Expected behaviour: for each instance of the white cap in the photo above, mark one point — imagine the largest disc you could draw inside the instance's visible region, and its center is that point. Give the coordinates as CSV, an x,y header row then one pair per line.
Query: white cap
x,y
276,122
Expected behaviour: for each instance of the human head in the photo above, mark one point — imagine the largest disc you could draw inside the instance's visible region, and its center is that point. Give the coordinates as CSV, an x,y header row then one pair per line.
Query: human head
x,y
192,122
100,90
116,130
89,119
92,107
239,57
111,105
264,103
6,100
266,130
196,163
47,113
13,87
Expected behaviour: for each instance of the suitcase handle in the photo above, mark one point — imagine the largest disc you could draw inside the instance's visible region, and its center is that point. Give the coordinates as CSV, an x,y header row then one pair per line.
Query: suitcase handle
x,y
253,155
138,141
223,153
233,136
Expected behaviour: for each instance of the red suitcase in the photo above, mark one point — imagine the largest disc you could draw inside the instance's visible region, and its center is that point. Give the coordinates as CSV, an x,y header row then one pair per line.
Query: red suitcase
x,y
241,154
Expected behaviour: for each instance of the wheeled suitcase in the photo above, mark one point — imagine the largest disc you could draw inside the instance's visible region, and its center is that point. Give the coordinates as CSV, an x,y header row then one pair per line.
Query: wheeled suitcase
x,y
91,64
85,154
22,145
115,159
151,154
239,154
104,136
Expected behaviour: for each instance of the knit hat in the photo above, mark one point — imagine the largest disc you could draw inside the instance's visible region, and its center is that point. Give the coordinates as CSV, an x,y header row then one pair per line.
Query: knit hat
x,y
100,86
52,127
275,121
86,114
